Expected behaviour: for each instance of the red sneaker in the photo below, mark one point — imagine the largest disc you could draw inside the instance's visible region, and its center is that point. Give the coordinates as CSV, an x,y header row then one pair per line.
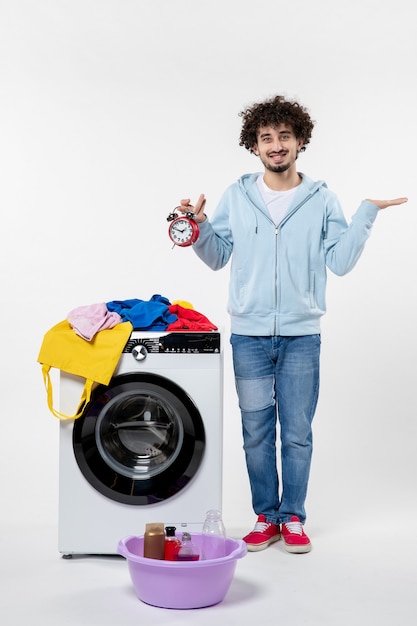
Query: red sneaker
x,y
294,536
263,534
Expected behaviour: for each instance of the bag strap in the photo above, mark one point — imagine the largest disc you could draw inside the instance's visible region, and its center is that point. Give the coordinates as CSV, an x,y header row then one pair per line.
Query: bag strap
x,y
85,396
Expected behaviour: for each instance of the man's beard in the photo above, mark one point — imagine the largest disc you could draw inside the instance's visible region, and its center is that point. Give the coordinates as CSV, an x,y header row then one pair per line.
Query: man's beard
x,y
278,169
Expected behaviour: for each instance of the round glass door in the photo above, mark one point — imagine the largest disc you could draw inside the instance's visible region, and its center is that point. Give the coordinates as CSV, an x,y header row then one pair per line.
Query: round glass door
x,y
140,440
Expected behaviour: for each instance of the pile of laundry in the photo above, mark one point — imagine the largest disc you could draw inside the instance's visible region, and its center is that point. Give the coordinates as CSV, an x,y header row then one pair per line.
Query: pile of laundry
x,y
155,314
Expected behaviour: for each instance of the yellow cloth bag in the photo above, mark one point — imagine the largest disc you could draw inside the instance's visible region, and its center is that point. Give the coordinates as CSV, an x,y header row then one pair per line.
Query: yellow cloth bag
x,y
93,360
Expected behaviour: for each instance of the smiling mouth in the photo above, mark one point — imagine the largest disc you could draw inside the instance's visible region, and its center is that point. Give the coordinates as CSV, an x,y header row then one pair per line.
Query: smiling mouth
x,y
279,156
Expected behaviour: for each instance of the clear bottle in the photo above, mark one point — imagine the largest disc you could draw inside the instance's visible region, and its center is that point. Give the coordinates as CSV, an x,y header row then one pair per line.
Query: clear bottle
x,y
213,541
188,550
154,541
172,544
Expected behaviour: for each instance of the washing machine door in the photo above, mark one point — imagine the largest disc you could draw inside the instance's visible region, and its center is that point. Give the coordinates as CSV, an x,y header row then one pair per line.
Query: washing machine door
x,y
140,440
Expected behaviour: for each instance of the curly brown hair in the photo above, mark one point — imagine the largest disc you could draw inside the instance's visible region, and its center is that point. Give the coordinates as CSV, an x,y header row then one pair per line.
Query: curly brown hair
x,y
272,112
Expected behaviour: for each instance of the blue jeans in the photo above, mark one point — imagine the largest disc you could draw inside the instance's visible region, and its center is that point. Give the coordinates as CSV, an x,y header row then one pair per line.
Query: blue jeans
x,y
277,376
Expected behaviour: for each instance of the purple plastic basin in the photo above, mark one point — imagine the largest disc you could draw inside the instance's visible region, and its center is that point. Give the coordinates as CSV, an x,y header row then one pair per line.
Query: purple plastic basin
x,y
185,584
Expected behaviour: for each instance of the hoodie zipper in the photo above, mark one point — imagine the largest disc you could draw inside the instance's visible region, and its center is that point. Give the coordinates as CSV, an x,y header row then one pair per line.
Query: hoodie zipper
x,y
277,234
277,295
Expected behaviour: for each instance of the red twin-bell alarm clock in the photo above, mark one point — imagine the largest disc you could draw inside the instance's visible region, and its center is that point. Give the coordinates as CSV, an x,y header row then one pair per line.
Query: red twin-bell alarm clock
x,y
183,230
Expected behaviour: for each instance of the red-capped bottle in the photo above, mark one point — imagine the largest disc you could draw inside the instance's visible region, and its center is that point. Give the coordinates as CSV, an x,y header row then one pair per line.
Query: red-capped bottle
x,y
172,544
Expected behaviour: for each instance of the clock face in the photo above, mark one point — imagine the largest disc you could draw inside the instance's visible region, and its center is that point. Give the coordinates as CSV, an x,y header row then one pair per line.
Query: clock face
x,y
182,231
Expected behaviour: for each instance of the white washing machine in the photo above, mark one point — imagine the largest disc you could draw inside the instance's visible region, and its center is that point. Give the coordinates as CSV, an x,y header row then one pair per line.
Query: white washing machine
x,y
148,447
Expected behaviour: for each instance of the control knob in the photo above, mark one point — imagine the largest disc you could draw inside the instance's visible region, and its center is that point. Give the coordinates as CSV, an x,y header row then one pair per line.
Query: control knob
x,y
139,352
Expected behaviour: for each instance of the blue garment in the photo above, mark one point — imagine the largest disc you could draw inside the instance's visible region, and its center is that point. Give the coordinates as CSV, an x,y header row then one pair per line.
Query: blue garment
x,y
148,315
277,373
278,273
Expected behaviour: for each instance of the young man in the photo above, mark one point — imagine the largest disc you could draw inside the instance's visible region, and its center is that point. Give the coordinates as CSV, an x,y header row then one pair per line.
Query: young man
x,y
282,230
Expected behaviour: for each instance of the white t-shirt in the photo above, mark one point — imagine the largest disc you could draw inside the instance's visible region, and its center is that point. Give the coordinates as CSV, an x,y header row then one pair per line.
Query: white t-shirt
x,y
277,202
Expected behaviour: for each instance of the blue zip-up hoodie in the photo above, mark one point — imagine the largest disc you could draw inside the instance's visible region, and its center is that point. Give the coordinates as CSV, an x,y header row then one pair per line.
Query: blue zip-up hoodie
x,y
278,273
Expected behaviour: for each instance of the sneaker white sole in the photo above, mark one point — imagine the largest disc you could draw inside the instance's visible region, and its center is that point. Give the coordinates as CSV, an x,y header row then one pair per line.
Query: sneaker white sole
x,y
297,549
257,547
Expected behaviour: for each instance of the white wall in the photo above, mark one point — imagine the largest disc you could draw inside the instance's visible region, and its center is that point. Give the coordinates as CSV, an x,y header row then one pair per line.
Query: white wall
x,y
111,111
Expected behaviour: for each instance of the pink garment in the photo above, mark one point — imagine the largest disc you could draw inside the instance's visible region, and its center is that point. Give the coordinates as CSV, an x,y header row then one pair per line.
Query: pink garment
x,y
88,320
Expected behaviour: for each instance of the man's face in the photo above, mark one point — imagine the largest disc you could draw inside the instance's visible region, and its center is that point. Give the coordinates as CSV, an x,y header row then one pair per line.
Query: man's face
x,y
277,147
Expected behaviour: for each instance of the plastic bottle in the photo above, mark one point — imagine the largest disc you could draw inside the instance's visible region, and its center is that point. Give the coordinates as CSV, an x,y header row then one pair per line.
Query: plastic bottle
x,y
172,544
154,541
213,541
188,550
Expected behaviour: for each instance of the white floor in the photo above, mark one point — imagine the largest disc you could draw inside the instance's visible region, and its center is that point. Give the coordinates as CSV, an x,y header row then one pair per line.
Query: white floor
x,y
361,575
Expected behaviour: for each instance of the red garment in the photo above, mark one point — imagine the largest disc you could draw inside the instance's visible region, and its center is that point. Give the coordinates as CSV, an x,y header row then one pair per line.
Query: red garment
x,y
189,319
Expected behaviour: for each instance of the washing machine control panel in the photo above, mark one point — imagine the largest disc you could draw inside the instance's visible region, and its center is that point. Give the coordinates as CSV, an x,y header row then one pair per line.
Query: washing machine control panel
x,y
174,343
